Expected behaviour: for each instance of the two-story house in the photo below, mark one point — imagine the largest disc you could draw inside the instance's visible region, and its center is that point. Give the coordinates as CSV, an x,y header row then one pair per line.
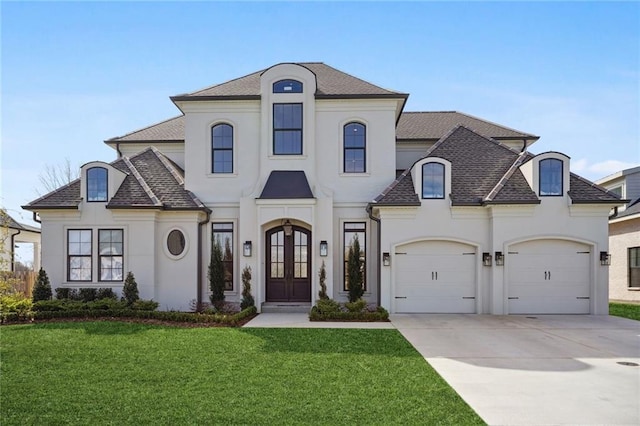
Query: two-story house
x,y
287,166
624,235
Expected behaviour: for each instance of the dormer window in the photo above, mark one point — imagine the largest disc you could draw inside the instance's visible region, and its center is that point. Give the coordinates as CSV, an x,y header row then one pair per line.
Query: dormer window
x,y
287,86
550,177
433,180
97,184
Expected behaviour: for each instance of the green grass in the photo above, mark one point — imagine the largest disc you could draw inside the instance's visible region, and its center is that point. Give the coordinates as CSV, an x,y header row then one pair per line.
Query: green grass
x,y
625,310
121,373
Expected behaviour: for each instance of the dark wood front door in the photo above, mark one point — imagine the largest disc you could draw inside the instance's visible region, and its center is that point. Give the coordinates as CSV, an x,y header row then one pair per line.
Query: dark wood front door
x,y
288,265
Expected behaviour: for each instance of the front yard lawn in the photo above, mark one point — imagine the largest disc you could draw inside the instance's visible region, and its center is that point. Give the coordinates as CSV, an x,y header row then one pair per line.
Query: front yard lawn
x,y
625,310
122,373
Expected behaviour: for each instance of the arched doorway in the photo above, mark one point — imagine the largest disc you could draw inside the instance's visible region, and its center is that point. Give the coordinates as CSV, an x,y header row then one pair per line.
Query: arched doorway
x,y
288,264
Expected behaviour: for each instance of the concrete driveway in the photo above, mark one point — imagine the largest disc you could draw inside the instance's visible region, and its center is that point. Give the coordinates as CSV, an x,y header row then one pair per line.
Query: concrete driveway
x,y
535,369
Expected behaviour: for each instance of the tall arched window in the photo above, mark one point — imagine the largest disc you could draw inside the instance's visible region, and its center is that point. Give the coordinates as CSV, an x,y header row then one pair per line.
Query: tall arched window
x,y
97,184
355,148
222,149
433,180
550,177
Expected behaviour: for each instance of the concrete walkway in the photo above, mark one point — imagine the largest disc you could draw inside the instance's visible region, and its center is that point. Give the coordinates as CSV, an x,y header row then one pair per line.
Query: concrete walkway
x,y
523,370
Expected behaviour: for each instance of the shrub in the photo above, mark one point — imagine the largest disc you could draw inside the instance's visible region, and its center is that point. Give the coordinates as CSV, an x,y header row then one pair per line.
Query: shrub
x,y
58,305
216,274
62,293
322,294
380,314
327,305
357,306
130,289
15,303
106,303
88,294
145,305
106,293
355,276
247,298
42,287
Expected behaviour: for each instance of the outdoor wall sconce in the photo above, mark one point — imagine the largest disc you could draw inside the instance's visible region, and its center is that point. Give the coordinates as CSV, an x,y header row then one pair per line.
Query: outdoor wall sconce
x,y
605,258
324,248
486,259
288,228
246,249
499,258
386,258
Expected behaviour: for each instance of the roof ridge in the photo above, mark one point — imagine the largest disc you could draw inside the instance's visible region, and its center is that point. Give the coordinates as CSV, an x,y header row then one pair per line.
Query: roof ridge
x,y
145,186
165,162
496,124
145,128
505,178
596,186
432,112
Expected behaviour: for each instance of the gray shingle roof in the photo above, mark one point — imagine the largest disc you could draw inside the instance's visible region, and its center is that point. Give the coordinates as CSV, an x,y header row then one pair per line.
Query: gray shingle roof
x,y
152,181
433,125
171,130
7,221
633,208
330,82
484,171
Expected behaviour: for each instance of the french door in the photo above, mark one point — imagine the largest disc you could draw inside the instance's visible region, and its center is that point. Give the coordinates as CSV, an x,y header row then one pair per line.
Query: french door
x,y
288,265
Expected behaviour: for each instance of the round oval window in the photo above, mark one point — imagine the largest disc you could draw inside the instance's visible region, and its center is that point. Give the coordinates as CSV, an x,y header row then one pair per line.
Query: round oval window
x,y
176,242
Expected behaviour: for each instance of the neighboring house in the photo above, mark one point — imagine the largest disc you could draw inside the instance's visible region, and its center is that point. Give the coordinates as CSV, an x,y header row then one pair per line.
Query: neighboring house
x,y
12,233
624,235
285,167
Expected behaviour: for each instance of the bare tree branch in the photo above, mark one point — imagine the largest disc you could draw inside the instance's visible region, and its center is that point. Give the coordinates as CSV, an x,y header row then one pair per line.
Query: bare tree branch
x,y
55,176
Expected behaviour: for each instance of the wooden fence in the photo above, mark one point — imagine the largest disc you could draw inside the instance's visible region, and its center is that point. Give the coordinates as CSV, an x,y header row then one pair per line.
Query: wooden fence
x,y
21,282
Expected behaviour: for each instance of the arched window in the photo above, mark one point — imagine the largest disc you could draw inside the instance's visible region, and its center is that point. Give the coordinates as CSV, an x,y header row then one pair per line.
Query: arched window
x,y
97,184
550,177
222,149
287,86
355,143
433,180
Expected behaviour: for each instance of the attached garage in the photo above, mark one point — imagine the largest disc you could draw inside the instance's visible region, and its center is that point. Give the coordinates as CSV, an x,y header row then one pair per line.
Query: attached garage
x,y
435,277
548,277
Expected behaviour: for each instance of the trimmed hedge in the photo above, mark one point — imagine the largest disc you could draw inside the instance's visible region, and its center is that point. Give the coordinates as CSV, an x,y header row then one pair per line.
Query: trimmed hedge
x,y
172,316
380,314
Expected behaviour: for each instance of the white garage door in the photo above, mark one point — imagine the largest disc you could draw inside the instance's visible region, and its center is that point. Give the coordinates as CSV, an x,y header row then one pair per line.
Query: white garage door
x,y
548,277
435,277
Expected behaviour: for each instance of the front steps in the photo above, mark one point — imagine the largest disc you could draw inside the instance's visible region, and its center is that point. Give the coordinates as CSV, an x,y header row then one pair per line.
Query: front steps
x,y
286,307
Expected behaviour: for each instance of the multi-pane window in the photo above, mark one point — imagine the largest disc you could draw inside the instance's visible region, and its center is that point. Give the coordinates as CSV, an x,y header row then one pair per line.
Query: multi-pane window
x,y
277,254
634,266
353,231
222,149
550,175
300,255
97,184
287,86
433,180
223,236
110,253
79,263
287,129
354,148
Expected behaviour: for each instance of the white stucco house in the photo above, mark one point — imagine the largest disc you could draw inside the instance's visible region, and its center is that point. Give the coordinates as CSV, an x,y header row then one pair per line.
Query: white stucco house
x,y
624,235
287,165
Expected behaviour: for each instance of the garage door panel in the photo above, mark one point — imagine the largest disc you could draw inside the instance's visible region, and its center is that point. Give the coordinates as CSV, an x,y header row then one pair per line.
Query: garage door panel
x,y
549,276
435,277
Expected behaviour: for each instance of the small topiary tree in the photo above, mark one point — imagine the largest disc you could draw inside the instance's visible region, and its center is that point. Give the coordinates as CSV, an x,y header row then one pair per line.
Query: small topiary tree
x,y
216,275
247,298
322,294
355,277
42,288
130,290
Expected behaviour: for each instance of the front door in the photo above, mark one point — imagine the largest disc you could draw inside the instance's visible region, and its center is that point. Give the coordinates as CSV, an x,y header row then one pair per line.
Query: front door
x,y
288,265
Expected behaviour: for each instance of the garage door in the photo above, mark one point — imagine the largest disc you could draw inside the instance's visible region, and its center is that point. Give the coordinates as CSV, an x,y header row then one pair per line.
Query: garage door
x,y
435,277
548,277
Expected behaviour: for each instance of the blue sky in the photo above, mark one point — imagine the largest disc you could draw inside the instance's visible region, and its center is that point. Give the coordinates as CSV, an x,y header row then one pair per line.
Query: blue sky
x,y
75,74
